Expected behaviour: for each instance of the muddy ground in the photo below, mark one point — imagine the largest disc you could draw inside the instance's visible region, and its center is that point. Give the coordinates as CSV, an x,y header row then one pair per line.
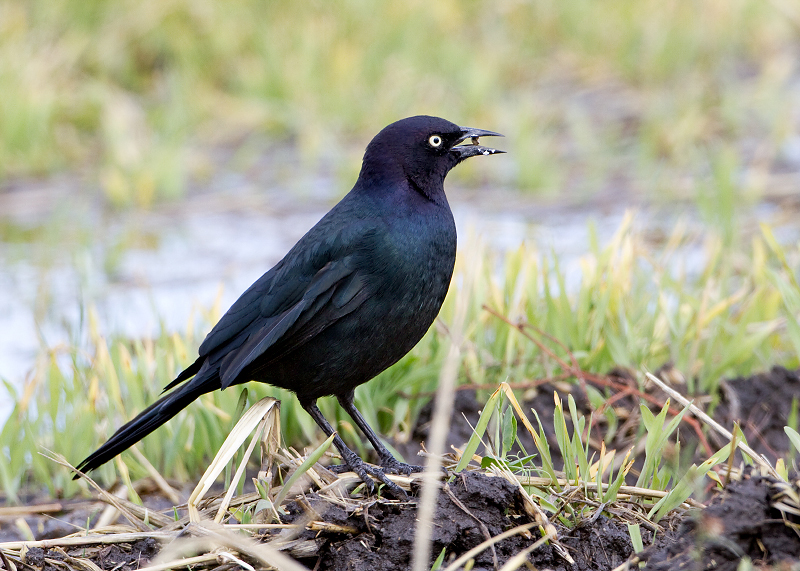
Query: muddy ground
x,y
740,521
386,535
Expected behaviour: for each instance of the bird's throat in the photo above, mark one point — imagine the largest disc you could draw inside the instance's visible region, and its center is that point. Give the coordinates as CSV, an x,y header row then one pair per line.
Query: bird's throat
x,y
433,192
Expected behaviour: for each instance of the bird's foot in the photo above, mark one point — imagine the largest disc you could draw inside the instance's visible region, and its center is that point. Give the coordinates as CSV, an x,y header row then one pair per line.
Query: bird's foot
x,y
339,468
379,474
392,465
364,471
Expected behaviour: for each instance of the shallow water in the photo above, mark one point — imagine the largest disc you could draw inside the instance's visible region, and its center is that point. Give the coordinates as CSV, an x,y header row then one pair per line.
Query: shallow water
x,y
146,270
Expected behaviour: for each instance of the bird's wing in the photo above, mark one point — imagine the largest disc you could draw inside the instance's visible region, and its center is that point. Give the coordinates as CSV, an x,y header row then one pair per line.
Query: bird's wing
x,y
270,295
289,281
335,291
287,298
245,316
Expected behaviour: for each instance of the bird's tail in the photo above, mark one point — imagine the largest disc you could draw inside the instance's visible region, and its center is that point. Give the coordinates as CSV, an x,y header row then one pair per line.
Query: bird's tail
x,y
151,418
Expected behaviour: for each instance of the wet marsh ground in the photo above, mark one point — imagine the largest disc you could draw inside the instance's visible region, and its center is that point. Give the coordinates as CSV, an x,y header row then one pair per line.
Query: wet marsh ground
x,y
144,280
746,519
155,159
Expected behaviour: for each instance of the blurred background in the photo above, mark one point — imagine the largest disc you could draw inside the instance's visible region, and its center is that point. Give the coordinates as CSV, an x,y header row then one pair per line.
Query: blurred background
x,y
147,101
156,156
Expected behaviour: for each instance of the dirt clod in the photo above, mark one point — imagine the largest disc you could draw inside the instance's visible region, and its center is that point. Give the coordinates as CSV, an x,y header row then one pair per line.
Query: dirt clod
x,y
762,405
494,505
740,522
35,557
388,544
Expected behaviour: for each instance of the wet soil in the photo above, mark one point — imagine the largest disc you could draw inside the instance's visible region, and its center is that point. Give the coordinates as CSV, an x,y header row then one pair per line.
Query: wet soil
x,y
385,538
380,534
476,507
762,405
741,521
119,557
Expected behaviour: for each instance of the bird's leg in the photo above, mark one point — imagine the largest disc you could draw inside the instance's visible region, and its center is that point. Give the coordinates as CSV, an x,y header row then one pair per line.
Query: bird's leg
x,y
352,459
388,462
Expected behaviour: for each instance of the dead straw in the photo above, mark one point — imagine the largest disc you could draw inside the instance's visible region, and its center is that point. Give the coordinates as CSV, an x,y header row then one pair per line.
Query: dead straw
x,y
16,511
758,458
440,427
110,498
95,539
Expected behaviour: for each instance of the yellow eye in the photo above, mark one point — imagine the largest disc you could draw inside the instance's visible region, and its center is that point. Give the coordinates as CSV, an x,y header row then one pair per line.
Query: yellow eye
x,y
435,141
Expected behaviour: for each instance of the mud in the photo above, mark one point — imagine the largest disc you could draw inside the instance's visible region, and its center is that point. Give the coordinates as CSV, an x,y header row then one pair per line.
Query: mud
x,y
741,522
385,538
762,404
119,557
381,534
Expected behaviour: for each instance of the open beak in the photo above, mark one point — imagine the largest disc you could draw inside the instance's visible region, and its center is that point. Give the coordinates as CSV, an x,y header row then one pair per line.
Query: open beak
x,y
473,148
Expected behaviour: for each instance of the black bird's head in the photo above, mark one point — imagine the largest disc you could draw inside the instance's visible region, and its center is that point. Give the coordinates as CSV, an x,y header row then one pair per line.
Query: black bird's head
x,y
421,150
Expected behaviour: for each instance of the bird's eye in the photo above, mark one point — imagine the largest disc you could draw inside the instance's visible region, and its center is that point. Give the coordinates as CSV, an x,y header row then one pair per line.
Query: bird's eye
x,y
435,141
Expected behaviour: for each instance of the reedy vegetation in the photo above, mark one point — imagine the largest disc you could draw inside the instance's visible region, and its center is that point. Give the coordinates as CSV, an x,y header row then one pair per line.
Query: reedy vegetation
x,y
675,99
138,91
632,307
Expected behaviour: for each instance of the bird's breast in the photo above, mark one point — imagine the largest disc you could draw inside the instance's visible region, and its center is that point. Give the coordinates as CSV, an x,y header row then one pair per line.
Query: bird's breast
x,y
418,259
405,265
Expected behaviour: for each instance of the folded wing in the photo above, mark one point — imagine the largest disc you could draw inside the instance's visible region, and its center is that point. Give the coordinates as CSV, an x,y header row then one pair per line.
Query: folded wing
x,y
335,291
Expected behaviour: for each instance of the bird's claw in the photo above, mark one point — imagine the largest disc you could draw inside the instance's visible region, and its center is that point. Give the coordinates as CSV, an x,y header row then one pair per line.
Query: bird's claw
x,y
364,471
392,465
394,490
339,468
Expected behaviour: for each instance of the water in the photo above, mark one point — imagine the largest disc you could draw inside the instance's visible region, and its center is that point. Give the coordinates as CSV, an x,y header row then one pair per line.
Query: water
x,y
143,271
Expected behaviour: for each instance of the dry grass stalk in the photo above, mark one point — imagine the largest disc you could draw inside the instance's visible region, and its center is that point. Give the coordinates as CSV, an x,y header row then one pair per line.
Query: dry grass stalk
x,y
159,480
625,492
219,537
110,498
12,511
440,426
265,415
94,539
758,458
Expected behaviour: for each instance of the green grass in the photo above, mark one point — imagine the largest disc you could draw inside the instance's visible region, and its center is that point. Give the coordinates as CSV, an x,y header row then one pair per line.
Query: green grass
x,y
660,99
137,92
591,472
736,315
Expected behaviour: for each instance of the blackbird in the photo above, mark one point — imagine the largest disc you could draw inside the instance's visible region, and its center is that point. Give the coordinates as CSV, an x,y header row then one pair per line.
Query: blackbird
x,y
353,296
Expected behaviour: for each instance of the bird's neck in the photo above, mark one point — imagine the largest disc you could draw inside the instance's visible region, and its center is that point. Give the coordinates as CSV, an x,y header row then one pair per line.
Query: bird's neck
x,y
432,190
392,179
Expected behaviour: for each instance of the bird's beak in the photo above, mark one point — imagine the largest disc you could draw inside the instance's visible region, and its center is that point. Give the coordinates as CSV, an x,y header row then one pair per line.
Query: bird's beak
x,y
473,148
